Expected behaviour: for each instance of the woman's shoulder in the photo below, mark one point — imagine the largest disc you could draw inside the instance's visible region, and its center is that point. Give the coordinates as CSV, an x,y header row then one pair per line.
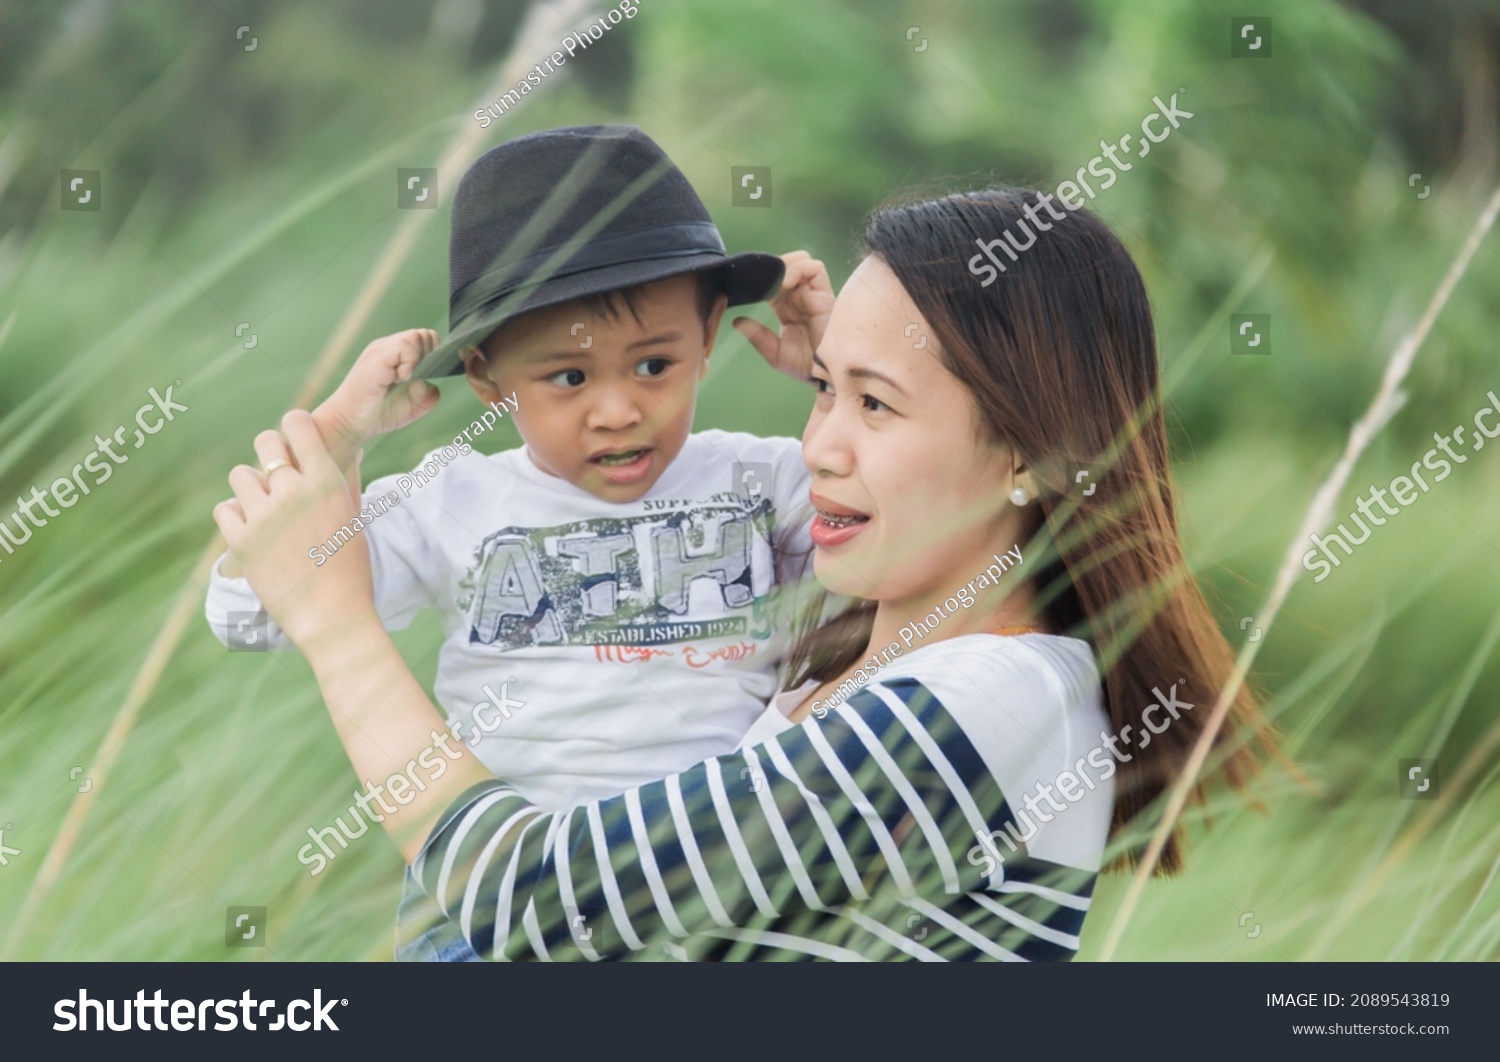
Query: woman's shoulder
x,y
1032,709
1029,697
1028,672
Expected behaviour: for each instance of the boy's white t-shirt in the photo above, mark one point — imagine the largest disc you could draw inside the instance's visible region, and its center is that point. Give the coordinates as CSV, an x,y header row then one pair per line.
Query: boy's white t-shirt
x,y
639,638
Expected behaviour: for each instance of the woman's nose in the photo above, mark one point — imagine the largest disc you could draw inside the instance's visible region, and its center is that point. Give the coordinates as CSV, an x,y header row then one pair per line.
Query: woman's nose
x,y
825,443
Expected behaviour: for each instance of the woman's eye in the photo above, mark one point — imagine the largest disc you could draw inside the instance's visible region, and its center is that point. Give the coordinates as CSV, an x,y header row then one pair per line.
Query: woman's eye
x,y
820,385
567,378
653,366
871,403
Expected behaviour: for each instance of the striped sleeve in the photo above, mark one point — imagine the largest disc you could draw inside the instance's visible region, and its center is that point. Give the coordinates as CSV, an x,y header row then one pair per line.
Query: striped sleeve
x,y
886,794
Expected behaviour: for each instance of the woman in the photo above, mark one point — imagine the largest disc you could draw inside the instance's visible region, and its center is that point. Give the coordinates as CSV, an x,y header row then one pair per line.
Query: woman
x,y
942,776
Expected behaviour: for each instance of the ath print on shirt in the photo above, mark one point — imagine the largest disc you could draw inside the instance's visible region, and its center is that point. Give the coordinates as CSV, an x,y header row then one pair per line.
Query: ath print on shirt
x,y
624,580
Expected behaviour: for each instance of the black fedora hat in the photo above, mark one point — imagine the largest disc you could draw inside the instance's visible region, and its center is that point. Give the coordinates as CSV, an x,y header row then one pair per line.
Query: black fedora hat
x,y
563,213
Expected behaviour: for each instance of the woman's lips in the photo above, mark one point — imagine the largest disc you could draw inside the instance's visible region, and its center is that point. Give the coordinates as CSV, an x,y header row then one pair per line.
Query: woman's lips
x,y
834,529
629,471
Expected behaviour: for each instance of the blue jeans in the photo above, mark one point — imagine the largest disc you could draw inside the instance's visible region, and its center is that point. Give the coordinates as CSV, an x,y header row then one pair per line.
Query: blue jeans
x,y
441,942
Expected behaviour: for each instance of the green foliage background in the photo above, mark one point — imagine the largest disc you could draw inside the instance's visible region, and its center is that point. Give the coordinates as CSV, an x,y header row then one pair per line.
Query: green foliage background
x,y
258,187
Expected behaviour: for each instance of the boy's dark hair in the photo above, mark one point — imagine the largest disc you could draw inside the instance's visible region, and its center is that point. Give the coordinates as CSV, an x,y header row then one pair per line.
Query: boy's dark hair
x,y
607,303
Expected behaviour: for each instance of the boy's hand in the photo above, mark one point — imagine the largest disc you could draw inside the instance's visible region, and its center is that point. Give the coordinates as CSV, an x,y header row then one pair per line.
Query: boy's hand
x,y
378,395
802,306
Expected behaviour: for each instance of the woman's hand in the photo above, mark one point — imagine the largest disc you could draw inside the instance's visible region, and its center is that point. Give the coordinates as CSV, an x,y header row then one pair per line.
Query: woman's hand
x,y
274,520
386,722
802,306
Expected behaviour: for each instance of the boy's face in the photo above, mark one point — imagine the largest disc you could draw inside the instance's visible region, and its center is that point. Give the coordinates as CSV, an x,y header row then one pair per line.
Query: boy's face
x,y
604,403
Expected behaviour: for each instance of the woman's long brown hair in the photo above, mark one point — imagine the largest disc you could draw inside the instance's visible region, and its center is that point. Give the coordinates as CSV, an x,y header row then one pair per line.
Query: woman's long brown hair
x,y
1059,352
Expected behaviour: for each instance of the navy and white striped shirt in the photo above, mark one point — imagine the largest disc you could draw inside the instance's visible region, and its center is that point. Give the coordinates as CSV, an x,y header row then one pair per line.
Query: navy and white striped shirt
x,y
852,838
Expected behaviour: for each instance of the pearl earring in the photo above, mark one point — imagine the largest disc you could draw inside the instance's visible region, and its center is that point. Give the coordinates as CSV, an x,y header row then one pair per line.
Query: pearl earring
x,y
1019,496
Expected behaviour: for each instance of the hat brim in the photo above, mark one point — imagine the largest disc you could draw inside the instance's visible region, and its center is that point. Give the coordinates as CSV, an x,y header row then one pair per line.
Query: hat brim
x,y
745,278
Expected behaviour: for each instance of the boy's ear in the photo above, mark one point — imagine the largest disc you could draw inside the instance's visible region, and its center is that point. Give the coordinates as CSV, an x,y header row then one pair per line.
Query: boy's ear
x,y
711,328
477,369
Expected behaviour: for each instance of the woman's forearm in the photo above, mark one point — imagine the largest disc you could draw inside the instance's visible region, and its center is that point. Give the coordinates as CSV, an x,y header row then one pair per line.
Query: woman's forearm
x,y
394,736
805,822
389,728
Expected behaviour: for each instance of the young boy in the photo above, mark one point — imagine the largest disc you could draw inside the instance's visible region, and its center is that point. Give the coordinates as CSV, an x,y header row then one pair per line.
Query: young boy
x,y
607,589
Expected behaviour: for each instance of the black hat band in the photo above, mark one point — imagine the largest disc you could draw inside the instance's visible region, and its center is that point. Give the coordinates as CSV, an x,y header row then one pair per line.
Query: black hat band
x,y
510,276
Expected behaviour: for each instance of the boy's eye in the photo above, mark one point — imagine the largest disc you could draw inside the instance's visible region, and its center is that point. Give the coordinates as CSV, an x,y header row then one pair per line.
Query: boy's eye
x,y
653,366
567,378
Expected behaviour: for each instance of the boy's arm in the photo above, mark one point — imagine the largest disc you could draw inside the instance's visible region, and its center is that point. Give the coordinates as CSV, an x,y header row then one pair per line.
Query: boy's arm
x,y
377,396
235,614
407,569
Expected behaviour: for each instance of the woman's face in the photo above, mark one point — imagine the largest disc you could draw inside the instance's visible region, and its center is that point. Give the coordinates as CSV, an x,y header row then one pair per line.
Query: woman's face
x,y
912,502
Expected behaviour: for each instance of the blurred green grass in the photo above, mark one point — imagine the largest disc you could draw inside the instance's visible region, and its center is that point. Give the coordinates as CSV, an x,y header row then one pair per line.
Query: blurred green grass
x,y
1297,163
